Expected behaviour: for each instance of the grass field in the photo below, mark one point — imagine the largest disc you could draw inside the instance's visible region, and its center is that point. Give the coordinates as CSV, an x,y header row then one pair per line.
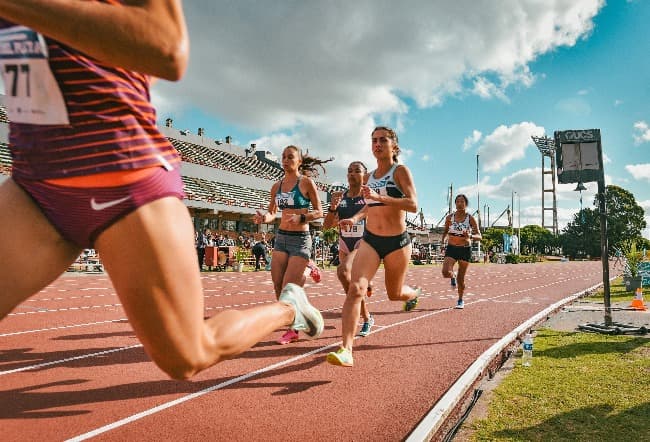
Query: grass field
x,y
581,387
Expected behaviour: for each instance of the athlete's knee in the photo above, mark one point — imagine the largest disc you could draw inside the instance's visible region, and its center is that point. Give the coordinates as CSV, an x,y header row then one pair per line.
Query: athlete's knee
x,y
357,289
394,295
343,274
447,273
180,366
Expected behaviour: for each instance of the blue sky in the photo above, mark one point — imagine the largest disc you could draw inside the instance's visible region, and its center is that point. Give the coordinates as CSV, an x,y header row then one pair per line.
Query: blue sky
x,y
456,79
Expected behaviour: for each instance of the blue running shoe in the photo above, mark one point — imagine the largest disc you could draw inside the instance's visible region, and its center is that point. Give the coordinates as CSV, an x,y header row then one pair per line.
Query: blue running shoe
x,y
367,325
412,303
460,304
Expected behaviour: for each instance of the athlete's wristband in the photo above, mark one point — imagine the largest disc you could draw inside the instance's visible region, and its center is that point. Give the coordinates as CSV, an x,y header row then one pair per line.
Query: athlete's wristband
x,y
303,218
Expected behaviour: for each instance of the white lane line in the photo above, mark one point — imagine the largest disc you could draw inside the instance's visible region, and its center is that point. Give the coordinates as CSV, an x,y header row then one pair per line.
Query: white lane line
x,y
166,405
64,309
186,398
75,358
61,328
129,419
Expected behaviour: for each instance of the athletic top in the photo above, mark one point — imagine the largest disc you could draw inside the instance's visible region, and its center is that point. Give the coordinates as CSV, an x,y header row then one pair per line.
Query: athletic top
x,y
384,185
347,208
459,228
72,115
293,199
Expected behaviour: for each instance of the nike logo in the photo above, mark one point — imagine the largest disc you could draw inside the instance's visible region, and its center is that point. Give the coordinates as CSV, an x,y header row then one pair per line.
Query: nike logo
x,y
101,206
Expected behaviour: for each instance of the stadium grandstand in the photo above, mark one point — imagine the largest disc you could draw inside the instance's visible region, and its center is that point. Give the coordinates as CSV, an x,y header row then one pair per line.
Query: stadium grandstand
x,y
224,183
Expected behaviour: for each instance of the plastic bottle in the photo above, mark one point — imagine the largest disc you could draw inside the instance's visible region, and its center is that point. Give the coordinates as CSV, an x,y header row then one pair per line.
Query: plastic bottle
x,y
527,356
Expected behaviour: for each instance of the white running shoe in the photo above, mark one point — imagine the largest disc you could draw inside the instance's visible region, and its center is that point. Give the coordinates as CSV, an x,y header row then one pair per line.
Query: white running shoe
x,y
308,318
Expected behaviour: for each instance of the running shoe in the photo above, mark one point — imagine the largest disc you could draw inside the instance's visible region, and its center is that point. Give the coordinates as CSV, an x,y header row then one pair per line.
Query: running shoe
x,y
367,325
453,280
314,272
308,318
412,303
369,291
342,357
460,304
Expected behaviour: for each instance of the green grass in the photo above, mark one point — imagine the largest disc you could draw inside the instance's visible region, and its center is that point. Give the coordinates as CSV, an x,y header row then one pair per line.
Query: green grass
x,y
616,293
581,387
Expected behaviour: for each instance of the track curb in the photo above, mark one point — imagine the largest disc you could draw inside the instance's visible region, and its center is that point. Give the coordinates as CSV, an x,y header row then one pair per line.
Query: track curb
x,y
432,427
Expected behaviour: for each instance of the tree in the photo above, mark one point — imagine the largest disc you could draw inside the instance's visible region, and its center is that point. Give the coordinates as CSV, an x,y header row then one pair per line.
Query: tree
x,y
625,218
625,221
536,240
493,238
581,237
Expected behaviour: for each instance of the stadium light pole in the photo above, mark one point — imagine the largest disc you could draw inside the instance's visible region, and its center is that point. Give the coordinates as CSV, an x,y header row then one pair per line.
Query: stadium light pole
x,y
519,223
478,196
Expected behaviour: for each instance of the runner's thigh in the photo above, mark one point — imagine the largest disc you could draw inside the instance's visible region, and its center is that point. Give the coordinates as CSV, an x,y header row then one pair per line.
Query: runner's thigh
x,y
150,258
32,252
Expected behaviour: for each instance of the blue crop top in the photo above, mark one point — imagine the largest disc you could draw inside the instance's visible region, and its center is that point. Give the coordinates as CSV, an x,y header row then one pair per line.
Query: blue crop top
x,y
384,185
293,199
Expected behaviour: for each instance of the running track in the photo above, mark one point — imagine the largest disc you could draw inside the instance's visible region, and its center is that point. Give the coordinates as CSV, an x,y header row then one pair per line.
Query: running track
x,y
71,367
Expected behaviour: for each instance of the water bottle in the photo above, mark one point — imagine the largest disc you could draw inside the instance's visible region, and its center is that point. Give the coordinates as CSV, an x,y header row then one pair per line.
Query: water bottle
x,y
527,357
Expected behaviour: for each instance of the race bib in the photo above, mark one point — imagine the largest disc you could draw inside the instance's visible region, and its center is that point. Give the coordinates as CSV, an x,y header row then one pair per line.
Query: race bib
x,y
379,186
284,199
32,94
355,231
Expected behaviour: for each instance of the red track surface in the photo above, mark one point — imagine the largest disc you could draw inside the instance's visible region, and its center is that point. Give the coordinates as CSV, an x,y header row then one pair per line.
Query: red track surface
x,y
70,363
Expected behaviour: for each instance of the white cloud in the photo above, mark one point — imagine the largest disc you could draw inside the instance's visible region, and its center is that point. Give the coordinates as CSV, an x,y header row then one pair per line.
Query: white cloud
x,y
506,144
618,103
606,158
325,72
525,187
484,88
642,132
645,204
639,171
574,106
471,140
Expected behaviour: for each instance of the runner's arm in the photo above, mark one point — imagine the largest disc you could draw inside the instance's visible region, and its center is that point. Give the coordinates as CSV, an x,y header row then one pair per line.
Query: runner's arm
x,y
476,232
263,218
146,36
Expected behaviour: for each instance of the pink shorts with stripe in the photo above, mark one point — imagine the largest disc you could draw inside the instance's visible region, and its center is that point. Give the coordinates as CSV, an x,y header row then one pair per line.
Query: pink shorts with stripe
x,y
80,214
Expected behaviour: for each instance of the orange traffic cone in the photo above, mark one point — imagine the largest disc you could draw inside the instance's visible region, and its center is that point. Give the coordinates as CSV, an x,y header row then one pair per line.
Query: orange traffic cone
x,y
637,302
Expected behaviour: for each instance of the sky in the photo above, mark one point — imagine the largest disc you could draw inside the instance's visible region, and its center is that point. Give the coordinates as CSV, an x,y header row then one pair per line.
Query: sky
x,y
456,79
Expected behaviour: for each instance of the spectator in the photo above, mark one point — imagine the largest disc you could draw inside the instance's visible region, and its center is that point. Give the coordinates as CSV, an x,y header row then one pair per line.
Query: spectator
x,y
201,239
260,250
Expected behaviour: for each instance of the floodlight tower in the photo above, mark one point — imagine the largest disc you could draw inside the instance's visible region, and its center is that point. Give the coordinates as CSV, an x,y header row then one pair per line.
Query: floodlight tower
x,y
547,148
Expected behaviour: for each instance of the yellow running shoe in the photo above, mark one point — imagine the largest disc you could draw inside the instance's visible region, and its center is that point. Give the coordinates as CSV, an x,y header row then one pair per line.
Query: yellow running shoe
x,y
342,357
